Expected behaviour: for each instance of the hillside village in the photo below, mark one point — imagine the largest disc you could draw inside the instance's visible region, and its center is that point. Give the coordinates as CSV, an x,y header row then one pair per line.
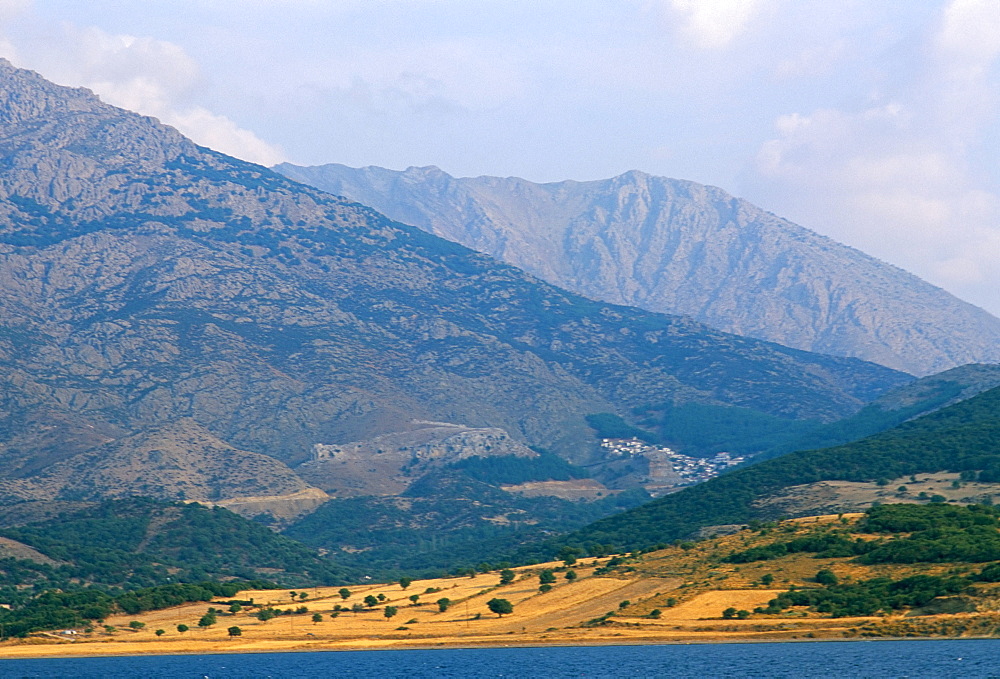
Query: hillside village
x,y
668,469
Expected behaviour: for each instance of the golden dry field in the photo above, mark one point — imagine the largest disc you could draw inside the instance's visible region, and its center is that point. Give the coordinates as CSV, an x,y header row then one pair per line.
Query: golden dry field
x,y
674,595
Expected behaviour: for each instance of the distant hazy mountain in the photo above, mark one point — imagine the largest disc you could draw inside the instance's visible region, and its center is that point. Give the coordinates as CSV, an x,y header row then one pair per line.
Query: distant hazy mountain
x,y
159,299
679,247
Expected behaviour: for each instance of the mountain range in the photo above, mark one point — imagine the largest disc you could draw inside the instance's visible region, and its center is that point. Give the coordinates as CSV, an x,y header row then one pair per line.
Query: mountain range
x,y
679,247
159,297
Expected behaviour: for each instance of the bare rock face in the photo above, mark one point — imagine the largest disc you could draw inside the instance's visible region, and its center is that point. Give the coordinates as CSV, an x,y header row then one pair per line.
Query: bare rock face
x,y
388,464
679,247
146,281
179,461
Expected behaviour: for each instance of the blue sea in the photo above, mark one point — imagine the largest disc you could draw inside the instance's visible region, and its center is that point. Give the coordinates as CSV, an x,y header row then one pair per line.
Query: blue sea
x,y
938,659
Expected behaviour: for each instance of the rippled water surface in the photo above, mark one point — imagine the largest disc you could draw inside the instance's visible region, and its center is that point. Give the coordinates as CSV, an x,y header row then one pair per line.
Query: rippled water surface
x,y
972,658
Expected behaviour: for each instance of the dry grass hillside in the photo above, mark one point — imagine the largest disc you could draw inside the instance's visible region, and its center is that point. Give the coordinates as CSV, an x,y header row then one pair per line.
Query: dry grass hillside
x,y
673,595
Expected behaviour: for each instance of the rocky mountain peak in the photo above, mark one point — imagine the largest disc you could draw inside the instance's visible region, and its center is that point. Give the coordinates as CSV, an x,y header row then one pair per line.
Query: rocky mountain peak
x,y
679,247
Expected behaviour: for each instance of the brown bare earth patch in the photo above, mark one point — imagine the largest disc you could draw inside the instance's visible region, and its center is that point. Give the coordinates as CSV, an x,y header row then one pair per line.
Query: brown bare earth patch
x,y
577,489
12,549
825,496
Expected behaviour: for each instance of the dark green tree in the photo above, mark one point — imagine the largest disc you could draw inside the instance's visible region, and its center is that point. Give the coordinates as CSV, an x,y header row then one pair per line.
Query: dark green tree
x,y
371,601
443,604
234,631
547,577
507,576
344,593
826,577
500,606
405,582
390,611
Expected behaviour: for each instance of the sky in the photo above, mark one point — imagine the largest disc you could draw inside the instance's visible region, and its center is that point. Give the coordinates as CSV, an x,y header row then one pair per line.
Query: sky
x,y
874,122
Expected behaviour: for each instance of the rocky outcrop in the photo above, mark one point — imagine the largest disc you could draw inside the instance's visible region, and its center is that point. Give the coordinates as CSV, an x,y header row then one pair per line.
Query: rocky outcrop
x,y
679,247
388,464
178,461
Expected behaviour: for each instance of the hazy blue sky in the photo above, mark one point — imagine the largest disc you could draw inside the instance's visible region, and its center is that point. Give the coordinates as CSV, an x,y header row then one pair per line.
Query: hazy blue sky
x,y
872,121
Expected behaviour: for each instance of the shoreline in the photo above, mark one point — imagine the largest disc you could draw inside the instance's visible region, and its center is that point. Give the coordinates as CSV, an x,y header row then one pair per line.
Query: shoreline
x,y
92,649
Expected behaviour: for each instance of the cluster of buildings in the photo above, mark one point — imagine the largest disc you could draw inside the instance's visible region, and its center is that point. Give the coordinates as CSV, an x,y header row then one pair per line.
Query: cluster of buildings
x,y
668,469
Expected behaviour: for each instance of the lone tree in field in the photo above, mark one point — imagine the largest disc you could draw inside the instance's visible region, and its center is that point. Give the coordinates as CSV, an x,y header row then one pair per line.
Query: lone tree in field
x,y
160,632
344,593
182,628
507,576
390,611
370,601
207,620
547,577
317,617
414,598
500,606
235,631
443,604
405,582
571,575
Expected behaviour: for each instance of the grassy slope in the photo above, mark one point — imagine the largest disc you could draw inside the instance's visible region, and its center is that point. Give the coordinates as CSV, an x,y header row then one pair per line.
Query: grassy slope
x,y
690,585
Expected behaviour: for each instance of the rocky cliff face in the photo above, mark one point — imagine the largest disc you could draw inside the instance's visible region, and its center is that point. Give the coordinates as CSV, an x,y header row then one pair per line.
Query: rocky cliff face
x,y
144,279
680,247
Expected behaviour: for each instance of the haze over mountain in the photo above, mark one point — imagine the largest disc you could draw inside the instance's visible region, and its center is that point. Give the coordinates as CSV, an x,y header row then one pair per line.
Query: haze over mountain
x,y
679,247
146,280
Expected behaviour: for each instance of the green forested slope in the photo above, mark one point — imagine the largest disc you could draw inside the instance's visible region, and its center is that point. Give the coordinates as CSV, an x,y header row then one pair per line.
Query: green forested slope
x,y
962,437
141,543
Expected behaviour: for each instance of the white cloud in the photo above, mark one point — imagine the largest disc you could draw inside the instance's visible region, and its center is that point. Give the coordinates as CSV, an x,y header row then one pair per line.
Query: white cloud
x,y
142,74
714,24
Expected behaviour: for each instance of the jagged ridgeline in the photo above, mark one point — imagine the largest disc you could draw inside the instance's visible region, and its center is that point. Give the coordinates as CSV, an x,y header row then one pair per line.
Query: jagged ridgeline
x,y
675,246
149,281
963,438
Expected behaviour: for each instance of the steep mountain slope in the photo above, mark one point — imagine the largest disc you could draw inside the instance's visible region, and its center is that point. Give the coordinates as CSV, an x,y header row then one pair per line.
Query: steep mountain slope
x,y
145,279
962,438
680,247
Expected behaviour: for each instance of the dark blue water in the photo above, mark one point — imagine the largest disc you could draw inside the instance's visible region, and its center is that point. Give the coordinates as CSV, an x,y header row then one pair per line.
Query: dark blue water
x,y
937,659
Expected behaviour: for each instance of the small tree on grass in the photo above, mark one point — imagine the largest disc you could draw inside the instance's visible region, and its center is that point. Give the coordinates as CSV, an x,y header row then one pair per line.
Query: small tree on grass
x,y
381,597
414,598
317,617
160,632
545,588
571,575
443,604
405,582
655,614
729,613
547,577
182,628
136,625
235,608
234,631
826,577
344,593
390,611
207,620
370,601
500,606
507,576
